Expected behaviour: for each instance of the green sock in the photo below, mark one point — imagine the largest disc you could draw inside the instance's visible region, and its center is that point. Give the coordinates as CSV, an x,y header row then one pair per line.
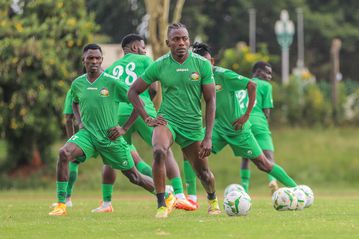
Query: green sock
x,y
61,191
177,185
271,178
144,168
107,192
74,170
279,173
190,178
245,177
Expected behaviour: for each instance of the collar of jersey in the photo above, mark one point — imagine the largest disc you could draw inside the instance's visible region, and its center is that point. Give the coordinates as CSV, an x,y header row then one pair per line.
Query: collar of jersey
x,y
94,80
189,56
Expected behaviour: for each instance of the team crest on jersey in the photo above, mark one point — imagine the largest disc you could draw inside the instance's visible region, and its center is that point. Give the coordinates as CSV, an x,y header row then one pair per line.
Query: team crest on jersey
x,y
219,87
104,92
195,76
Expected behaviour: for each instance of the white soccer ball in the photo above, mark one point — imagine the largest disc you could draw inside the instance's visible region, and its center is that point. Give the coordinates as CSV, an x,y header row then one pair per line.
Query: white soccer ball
x,y
284,199
237,203
233,187
301,197
308,193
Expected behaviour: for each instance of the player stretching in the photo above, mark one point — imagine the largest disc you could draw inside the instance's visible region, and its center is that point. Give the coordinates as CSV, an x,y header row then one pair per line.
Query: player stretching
x,y
127,70
184,76
259,118
97,94
231,126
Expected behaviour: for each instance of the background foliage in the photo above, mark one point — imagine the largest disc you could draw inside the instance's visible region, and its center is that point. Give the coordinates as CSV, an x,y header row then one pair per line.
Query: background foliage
x,y
40,54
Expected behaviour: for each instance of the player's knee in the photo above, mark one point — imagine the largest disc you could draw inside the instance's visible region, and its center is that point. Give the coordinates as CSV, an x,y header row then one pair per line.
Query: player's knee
x,y
64,154
134,178
159,153
263,164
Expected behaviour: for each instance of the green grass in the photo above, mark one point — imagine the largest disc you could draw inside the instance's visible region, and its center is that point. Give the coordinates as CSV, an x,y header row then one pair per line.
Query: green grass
x,y
316,157
334,214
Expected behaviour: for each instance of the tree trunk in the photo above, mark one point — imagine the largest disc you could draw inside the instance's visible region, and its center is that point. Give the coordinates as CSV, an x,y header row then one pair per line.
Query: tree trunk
x,y
158,11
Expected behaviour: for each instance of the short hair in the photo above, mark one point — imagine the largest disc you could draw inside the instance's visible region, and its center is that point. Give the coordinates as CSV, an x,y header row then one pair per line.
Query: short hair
x,y
91,46
130,38
175,26
260,65
201,48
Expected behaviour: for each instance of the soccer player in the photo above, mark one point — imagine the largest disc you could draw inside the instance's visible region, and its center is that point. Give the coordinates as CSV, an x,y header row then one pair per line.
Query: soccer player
x,y
184,77
96,95
231,124
259,118
127,70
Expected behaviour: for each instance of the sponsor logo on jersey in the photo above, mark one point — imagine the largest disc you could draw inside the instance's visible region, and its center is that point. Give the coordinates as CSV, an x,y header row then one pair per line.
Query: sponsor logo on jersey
x,y
219,87
104,92
181,69
91,88
195,76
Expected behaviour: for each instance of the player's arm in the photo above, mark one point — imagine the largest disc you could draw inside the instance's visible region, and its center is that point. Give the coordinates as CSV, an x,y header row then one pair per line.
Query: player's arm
x,y
69,125
209,95
235,82
117,131
139,86
267,101
69,115
251,89
133,94
76,110
267,114
153,90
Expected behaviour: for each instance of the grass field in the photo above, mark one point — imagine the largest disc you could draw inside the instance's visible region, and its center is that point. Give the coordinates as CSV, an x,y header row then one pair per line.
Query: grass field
x,y
325,159
23,214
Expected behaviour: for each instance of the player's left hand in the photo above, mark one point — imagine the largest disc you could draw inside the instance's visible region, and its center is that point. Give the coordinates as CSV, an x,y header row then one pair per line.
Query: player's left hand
x,y
238,124
115,132
206,148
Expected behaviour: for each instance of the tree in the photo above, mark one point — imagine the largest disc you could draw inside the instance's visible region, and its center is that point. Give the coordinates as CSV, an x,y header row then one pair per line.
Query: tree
x,y
117,18
158,11
40,52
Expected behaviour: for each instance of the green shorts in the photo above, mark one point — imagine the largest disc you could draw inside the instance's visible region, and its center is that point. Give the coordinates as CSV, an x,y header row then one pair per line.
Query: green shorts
x,y
114,153
265,141
138,126
243,145
185,138
263,136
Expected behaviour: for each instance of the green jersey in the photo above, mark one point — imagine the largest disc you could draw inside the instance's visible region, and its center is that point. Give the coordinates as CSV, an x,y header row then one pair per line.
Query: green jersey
x,y
68,104
127,70
98,102
227,105
181,88
264,100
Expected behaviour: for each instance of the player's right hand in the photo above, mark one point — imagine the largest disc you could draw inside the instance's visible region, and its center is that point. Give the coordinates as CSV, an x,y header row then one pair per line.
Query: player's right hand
x,y
153,122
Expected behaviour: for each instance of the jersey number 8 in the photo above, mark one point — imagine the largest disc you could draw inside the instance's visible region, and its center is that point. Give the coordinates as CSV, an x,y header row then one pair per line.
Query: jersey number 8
x,y
129,70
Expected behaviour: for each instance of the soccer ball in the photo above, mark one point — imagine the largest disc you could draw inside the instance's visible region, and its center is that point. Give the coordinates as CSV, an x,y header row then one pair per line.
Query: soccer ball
x,y
237,203
301,197
308,193
284,199
233,187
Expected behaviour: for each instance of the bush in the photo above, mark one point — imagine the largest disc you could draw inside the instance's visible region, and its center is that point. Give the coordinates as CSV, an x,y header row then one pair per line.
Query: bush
x,y
241,60
40,54
316,109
